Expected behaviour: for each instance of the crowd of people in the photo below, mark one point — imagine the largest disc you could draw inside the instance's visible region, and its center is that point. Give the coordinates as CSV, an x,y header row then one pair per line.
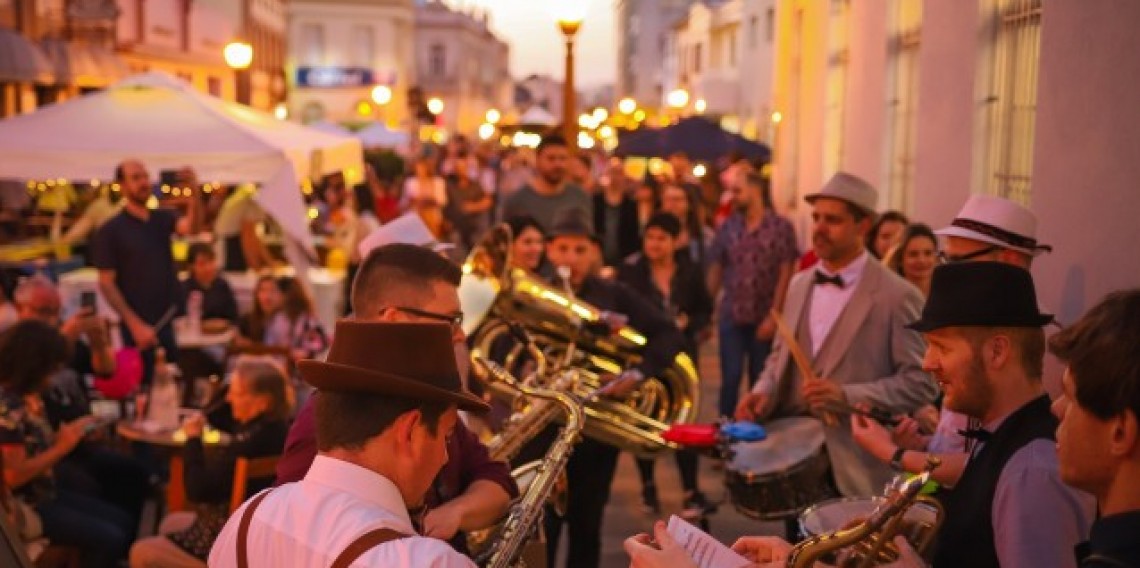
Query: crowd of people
x,y
940,329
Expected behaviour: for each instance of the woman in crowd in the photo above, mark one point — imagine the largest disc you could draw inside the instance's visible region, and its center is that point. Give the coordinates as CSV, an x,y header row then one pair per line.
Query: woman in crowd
x,y
885,233
30,352
267,300
695,236
295,325
529,241
915,256
261,402
426,194
678,286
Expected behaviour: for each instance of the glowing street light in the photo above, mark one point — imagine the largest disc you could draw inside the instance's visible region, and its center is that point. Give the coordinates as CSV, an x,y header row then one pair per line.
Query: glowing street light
x,y
600,115
486,131
777,117
569,14
494,116
606,131
238,55
435,105
627,105
700,106
281,111
677,98
381,94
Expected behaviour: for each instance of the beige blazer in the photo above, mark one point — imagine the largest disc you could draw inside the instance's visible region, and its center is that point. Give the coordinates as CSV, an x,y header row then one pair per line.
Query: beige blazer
x,y
869,352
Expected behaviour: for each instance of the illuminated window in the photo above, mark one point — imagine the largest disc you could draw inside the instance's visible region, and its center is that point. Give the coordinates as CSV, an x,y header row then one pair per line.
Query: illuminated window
x,y
1007,82
902,101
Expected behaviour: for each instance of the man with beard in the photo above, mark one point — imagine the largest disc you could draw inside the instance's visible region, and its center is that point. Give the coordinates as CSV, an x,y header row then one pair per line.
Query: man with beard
x,y
592,464
549,191
986,349
848,316
136,267
409,283
752,255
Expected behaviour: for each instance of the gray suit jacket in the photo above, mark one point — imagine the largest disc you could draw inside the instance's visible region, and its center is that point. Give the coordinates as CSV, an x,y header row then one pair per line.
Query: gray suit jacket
x,y
870,353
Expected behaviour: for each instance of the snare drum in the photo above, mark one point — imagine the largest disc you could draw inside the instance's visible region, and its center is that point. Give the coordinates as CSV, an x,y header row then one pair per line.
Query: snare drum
x,y
835,514
779,476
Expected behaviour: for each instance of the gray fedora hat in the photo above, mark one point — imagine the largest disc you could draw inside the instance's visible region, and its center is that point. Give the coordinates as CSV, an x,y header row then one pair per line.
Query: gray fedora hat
x,y
849,188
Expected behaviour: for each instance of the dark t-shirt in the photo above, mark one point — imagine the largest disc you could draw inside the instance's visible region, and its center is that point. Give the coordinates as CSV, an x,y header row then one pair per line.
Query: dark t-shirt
x,y
139,253
218,301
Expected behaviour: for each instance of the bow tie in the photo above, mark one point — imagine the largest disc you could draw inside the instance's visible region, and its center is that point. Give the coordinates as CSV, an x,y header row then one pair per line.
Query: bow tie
x,y
821,279
979,434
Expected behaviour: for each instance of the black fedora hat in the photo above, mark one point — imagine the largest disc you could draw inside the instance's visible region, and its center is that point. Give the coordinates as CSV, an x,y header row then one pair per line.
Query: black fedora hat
x,y
573,221
410,360
981,294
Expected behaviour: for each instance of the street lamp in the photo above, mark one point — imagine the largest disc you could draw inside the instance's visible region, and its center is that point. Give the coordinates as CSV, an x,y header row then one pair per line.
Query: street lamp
x,y
435,105
627,105
570,14
700,105
677,98
381,94
239,56
494,116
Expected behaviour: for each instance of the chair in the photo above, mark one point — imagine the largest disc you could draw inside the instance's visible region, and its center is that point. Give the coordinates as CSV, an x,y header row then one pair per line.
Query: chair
x,y
246,469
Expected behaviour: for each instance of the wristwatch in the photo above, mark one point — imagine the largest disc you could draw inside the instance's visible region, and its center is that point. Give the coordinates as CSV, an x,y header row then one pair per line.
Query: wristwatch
x,y
896,459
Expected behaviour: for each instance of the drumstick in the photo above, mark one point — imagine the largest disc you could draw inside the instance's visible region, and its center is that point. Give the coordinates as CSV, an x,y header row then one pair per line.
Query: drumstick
x,y
798,355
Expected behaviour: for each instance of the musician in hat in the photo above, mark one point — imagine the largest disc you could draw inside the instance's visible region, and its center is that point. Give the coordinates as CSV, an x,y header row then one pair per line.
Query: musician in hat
x,y
986,348
389,400
592,465
847,316
993,228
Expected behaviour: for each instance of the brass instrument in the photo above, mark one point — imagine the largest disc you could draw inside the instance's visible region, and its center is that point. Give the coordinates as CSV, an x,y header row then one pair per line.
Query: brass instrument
x,y
526,514
575,333
870,542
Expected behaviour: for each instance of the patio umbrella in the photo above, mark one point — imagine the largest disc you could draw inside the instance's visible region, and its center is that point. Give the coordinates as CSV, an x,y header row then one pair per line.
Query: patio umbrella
x,y
698,137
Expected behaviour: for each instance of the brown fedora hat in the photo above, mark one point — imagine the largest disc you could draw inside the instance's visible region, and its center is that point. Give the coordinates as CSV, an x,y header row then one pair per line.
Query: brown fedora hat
x,y
410,360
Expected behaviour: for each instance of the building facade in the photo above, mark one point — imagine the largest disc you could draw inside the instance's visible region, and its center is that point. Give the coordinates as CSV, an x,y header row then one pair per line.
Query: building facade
x,y
460,61
721,55
340,51
643,32
1027,99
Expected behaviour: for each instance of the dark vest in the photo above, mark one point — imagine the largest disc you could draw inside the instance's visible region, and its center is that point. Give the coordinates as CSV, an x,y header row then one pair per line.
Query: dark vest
x,y
967,535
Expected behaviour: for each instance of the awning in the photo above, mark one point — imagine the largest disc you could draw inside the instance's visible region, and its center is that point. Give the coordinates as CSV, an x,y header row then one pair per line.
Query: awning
x,y
21,61
83,65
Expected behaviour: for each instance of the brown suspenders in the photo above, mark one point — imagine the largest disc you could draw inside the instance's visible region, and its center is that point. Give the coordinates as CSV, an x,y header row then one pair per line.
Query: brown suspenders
x,y
351,553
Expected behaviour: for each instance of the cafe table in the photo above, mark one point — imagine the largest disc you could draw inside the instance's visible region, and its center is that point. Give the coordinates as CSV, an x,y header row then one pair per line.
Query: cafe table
x,y
170,442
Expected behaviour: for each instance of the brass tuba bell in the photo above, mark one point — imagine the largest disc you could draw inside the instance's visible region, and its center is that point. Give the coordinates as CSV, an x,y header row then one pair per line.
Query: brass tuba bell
x,y
566,330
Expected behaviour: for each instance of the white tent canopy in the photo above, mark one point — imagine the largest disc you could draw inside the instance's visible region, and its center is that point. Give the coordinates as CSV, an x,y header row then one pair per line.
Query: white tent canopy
x,y
166,124
377,135
329,128
538,116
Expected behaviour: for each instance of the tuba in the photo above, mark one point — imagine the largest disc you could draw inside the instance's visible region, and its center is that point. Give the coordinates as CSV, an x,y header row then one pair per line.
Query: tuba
x,y
574,334
870,541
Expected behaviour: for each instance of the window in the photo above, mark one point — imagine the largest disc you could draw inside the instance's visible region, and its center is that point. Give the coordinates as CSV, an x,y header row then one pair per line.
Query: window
x,y
731,49
697,58
902,101
770,25
363,47
840,23
753,31
214,86
312,45
437,60
1008,88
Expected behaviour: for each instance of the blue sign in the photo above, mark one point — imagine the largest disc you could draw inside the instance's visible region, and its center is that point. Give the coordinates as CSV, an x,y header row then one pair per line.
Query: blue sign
x,y
334,77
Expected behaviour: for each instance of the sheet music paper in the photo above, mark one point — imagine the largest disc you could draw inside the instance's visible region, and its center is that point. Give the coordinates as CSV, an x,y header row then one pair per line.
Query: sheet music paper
x,y
705,550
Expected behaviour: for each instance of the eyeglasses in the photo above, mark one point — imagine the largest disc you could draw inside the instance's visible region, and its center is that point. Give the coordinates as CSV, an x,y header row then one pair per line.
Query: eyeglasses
x,y
952,258
455,320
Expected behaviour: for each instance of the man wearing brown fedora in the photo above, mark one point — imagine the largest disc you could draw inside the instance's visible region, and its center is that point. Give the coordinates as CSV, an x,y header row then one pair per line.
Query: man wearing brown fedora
x,y
390,395
848,316
592,465
410,282
986,349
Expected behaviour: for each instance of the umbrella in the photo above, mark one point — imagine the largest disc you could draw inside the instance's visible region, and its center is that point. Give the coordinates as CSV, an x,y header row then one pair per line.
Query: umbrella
x,y
377,135
166,124
700,138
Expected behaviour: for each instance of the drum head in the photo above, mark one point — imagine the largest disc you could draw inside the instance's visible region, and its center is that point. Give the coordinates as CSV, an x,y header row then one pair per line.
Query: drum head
x,y
790,441
834,514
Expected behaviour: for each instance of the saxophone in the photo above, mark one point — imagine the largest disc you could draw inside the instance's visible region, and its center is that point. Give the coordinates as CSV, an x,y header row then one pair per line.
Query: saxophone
x,y
526,513
870,540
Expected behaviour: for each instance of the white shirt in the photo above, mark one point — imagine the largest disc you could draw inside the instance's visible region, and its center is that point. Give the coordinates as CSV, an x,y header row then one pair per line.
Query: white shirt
x,y
413,190
309,523
828,301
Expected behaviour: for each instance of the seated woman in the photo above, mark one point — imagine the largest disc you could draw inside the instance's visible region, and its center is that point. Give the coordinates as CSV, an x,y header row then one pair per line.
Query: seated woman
x,y
261,401
295,325
218,301
30,352
267,301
